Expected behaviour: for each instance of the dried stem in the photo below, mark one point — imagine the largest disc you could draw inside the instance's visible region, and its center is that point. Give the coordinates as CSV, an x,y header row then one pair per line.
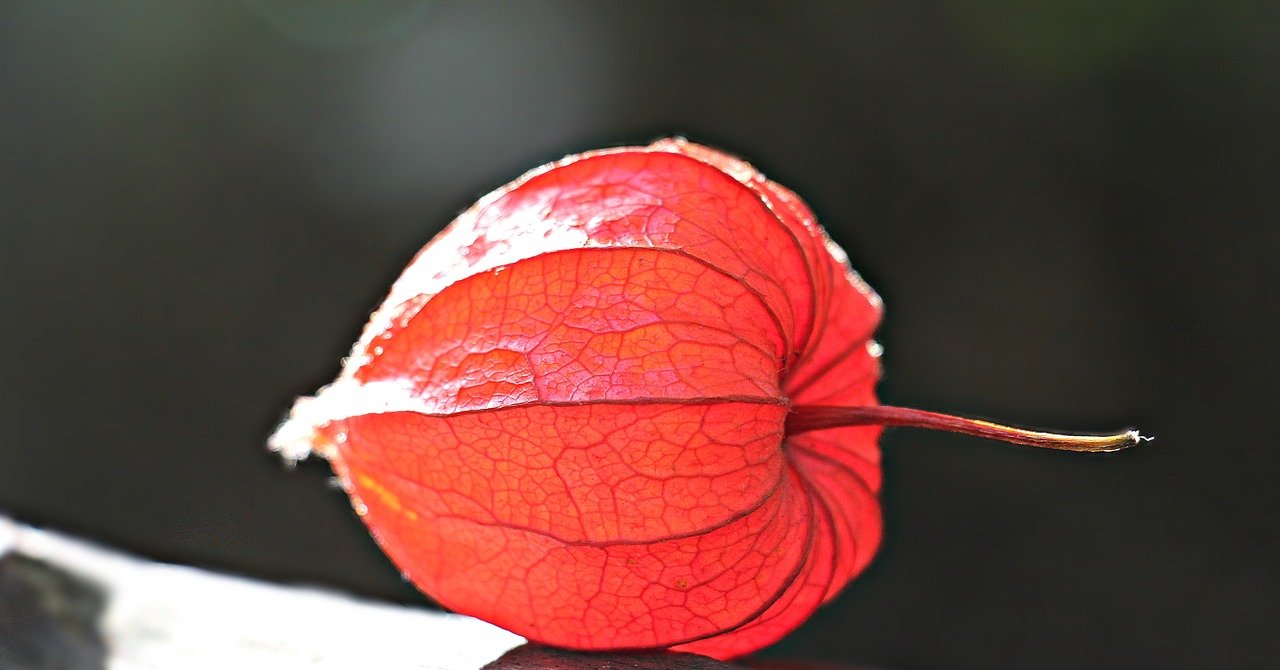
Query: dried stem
x,y
805,418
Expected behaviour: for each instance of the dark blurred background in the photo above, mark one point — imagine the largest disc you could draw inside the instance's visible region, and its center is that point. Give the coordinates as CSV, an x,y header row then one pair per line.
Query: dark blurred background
x,y
1070,208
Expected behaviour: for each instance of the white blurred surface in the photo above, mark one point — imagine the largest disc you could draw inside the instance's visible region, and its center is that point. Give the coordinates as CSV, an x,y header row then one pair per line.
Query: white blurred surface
x,y
162,616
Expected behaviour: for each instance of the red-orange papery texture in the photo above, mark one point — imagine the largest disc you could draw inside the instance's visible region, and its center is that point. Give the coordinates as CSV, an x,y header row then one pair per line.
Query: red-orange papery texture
x,y
569,416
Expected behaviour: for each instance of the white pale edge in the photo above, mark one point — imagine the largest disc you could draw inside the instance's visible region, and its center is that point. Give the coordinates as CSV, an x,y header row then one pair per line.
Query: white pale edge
x,y
162,616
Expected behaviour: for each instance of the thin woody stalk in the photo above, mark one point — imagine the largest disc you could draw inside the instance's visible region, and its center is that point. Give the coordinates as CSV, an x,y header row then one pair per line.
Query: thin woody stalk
x,y
805,418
